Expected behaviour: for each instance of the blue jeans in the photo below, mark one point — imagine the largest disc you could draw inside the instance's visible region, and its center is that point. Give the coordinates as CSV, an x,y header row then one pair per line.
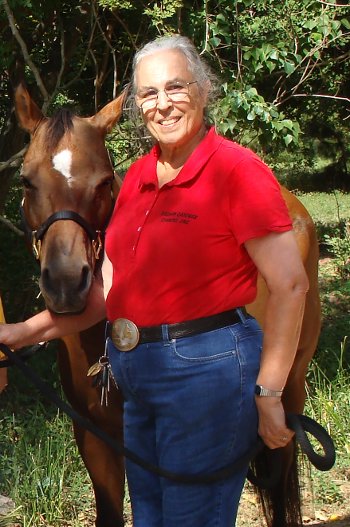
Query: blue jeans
x,y
189,408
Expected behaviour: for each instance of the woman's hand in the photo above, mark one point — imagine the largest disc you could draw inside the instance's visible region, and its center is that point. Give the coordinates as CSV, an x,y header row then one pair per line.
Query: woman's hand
x,y
272,422
13,336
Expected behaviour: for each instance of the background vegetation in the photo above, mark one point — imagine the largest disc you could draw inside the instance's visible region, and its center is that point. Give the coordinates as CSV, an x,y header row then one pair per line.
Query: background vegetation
x,y
283,70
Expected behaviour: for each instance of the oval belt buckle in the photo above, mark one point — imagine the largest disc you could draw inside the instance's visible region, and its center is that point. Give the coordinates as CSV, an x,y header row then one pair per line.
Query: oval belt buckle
x,y
125,334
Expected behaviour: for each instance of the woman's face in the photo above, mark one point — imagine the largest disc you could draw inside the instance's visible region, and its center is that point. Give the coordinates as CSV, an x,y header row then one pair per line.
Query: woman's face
x,y
171,123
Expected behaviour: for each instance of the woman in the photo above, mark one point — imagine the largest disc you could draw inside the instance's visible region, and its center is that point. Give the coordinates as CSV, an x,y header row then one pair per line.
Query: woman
x,y
195,221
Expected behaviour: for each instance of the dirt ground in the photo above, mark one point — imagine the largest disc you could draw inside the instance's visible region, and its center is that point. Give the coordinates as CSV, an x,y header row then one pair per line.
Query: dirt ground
x,y
315,514
320,515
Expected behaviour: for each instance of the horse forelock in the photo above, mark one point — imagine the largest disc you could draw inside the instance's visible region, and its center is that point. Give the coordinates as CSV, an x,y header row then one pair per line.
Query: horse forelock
x,y
59,124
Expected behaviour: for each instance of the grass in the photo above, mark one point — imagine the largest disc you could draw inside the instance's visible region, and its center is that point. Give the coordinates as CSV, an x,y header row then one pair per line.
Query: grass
x,y
326,207
40,468
330,212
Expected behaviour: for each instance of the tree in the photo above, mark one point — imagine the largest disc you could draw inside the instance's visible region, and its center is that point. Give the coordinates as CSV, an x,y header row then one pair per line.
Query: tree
x,y
283,66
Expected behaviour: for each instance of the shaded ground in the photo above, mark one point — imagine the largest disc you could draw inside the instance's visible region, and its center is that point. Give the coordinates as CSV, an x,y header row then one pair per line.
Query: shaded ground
x,y
315,514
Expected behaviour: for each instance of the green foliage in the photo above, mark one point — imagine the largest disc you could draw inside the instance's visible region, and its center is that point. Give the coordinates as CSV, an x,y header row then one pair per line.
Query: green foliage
x,y
19,271
116,4
273,60
237,108
327,208
41,469
162,13
330,212
270,53
339,243
329,396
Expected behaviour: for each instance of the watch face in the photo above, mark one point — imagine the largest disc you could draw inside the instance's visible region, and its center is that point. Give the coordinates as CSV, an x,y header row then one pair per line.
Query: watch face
x,y
257,389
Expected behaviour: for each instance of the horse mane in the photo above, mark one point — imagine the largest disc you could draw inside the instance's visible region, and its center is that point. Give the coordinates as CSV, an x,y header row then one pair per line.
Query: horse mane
x,y
60,123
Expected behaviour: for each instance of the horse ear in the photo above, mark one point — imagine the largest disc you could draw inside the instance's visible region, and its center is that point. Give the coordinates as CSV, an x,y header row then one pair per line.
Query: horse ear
x,y
28,113
107,117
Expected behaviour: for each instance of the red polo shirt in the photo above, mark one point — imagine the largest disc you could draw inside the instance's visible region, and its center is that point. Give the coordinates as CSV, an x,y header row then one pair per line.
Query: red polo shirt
x,y
178,252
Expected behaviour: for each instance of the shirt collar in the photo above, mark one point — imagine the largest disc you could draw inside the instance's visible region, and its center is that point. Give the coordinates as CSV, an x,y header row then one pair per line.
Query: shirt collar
x,y
199,157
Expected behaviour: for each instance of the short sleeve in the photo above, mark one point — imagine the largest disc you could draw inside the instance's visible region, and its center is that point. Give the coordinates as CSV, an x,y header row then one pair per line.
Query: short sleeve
x,y
256,205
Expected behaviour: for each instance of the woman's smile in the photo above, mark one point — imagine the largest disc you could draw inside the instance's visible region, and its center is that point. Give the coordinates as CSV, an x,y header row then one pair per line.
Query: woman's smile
x,y
169,122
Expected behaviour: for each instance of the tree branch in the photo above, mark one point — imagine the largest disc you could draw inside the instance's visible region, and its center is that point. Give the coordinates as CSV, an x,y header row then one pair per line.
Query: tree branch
x,y
25,52
14,161
83,62
322,95
11,226
61,70
332,5
307,70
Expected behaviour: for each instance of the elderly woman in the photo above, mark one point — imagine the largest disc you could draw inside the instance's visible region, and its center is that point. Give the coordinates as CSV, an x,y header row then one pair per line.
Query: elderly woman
x,y
196,220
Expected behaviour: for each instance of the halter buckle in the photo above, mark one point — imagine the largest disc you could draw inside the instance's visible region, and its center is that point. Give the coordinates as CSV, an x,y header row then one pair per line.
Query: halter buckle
x,y
36,246
97,245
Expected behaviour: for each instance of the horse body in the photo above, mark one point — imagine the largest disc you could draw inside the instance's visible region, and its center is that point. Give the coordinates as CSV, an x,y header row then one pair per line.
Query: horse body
x,y
281,505
67,167
106,470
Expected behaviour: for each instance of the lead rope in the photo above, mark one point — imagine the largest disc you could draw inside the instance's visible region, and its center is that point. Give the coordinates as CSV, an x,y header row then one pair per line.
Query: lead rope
x,y
299,423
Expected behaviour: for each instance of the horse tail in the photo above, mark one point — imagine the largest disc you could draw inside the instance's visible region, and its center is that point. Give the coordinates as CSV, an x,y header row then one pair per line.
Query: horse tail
x,y
281,504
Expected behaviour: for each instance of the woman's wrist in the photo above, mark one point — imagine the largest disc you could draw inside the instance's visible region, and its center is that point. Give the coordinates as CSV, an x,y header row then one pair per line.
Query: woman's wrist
x,y
263,391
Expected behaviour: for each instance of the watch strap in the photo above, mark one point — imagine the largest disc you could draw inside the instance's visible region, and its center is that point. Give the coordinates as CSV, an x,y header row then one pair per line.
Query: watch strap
x,y
266,392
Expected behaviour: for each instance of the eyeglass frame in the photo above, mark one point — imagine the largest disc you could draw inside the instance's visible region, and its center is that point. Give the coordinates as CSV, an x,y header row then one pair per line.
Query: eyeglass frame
x,y
155,98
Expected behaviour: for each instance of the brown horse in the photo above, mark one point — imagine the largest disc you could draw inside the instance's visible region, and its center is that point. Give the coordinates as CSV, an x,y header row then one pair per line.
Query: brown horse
x,y
282,506
65,168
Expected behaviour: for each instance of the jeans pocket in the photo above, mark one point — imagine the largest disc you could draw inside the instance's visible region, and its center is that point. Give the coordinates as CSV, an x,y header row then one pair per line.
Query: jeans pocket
x,y
209,346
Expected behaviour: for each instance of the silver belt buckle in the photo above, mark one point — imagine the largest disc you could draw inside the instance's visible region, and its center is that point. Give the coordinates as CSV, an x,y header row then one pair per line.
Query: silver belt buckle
x,y
125,334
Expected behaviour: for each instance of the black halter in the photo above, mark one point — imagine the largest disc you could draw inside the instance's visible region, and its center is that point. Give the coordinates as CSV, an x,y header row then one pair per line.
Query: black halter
x,y
35,237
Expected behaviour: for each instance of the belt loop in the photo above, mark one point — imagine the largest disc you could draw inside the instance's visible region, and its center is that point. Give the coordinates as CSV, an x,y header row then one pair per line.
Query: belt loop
x,y
165,332
242,314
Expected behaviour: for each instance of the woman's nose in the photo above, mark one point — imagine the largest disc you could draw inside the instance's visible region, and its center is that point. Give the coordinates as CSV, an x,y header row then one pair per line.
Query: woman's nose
x,y
163,100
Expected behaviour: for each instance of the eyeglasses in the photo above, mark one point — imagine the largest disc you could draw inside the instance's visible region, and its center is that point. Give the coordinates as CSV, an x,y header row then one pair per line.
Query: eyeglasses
x,y
175,91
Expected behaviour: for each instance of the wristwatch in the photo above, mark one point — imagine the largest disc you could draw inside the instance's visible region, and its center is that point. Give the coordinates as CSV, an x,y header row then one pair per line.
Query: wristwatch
x,y
265,392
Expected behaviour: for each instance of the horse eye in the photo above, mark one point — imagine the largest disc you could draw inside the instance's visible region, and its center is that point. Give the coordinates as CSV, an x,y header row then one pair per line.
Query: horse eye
x,y
106,183
26,183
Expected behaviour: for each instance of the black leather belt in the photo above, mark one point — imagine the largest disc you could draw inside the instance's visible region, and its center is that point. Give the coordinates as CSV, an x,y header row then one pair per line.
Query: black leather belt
x,y
126,335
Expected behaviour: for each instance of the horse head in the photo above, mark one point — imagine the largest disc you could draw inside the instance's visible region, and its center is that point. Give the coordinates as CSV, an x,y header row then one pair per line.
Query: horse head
x,y
67,179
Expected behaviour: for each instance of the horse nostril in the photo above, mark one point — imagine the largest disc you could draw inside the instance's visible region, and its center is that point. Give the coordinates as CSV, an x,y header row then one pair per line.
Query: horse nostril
x,y
45,278
85,278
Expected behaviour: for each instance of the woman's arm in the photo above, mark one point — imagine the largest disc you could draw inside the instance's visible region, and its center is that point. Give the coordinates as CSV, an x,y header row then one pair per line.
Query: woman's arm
x,y
47,326
278,261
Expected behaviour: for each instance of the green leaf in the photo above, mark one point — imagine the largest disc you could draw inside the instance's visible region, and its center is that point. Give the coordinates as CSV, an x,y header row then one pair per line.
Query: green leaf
x,y
274,54
317,37
346,23
215,41
288,139
288,67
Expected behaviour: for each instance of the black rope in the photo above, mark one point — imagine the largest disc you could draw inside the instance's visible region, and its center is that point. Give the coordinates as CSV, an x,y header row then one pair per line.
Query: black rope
x,y
24,354
298,423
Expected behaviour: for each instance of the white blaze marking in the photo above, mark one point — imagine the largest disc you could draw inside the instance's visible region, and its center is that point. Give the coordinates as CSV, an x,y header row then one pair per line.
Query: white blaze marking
x,y
62,162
